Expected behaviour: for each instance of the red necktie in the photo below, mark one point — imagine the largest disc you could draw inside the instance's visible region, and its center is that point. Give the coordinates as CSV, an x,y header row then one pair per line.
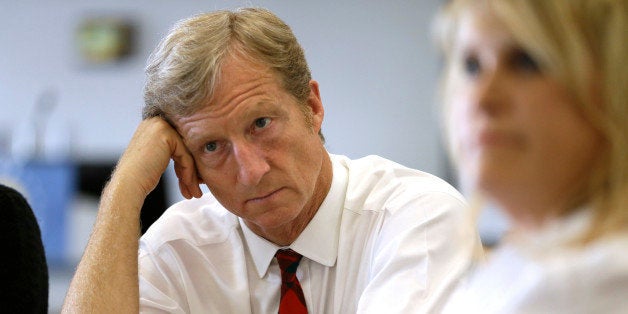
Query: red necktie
x,y
292,299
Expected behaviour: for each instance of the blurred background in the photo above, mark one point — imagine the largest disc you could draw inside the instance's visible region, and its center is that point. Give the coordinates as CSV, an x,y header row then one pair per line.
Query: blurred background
x,y
71,79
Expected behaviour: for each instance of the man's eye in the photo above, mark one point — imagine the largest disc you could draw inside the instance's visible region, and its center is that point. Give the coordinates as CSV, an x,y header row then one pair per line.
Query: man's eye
x,y
471,65
261,122
211,147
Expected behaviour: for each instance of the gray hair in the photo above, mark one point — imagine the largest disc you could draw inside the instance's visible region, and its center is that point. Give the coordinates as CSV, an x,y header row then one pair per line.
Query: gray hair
x,y
183,69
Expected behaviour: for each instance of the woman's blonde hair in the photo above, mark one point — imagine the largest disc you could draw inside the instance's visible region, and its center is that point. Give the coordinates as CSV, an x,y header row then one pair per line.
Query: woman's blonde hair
x,y
183,69
581,43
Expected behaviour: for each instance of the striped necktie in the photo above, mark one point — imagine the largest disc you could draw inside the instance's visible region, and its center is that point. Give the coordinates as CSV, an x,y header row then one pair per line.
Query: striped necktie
x,y
292,299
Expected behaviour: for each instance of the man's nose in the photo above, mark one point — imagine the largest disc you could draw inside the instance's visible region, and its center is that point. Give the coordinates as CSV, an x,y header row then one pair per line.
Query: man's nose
x,y
251,163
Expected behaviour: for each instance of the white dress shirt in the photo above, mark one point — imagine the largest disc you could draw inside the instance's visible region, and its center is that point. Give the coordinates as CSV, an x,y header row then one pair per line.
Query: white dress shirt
x,y
543,271
386,239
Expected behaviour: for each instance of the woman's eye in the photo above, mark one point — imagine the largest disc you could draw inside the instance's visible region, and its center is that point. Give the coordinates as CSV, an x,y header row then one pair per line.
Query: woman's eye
x,y
211,147
261,122
471,65
521,59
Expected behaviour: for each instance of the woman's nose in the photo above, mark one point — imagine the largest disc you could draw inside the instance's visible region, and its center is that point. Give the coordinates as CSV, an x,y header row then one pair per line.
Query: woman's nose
x,y
491,90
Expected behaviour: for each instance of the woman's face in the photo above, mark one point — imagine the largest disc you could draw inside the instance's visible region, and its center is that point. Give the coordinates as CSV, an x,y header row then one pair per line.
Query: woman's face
x,y
519,138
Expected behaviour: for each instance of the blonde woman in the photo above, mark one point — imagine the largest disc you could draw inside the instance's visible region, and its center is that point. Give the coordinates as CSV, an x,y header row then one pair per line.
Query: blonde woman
x,y
536,107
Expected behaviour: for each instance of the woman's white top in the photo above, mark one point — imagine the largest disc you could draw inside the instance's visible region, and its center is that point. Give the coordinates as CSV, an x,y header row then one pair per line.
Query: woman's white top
x,y
539,271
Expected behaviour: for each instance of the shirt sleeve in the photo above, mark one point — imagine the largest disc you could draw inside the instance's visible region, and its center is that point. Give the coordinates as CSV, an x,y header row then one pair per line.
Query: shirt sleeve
x,y
425,246
156,290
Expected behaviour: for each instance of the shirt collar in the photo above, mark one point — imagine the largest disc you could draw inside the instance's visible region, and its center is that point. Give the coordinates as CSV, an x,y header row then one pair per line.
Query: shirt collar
x,y
319,239
554,233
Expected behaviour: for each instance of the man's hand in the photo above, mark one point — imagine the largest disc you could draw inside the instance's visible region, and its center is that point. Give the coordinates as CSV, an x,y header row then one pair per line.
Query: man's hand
x,y
154,143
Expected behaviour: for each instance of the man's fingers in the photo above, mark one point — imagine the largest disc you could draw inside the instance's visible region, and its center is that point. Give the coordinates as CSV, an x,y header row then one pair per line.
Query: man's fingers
x,y
184,190
186,172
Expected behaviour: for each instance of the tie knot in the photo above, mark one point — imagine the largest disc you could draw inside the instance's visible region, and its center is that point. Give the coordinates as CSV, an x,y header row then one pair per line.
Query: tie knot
x,y
288,260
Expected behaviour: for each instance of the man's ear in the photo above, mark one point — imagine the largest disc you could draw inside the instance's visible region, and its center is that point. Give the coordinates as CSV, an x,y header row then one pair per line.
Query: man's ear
x,y
316,106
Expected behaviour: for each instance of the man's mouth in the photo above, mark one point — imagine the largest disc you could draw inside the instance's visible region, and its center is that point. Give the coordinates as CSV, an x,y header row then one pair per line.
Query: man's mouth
x,y
264,197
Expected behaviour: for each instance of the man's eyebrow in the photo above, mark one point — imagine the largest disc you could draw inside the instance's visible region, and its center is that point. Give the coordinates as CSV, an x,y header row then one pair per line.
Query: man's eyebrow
x,y
263,107
196,137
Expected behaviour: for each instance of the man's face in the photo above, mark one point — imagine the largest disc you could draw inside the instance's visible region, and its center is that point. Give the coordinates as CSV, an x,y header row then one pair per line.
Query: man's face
x,y
254,149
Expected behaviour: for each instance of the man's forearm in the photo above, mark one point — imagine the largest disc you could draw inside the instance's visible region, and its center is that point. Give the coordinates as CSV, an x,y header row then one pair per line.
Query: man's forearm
x,y
106,280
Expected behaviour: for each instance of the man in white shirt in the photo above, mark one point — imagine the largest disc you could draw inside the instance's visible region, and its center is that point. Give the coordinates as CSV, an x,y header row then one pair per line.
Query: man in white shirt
x,y
230,99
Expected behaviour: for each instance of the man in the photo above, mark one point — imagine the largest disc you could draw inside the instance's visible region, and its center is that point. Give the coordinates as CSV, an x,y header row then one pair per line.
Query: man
x,y
229,97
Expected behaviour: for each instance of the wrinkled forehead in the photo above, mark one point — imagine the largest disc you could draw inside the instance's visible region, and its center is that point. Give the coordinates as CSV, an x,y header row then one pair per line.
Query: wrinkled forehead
x,y
234,71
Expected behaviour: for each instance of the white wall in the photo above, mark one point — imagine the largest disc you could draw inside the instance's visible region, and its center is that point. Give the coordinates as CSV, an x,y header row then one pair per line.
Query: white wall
x,y
373,59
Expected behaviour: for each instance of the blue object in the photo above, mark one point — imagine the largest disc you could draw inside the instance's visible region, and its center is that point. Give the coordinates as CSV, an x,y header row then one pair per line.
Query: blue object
x,y
49,188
